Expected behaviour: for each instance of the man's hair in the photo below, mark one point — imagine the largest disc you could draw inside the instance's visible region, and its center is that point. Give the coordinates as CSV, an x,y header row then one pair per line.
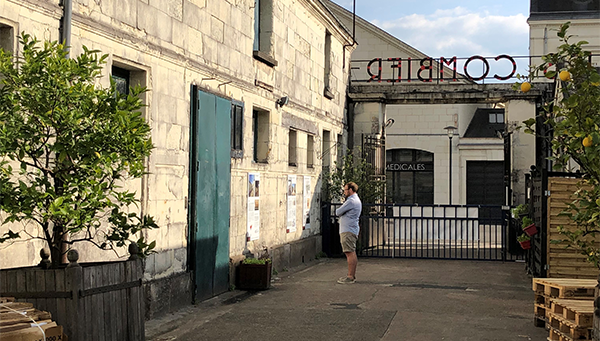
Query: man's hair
x,y
353,186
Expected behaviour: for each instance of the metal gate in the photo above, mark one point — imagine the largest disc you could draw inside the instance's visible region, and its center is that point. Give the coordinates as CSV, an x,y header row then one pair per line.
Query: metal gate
x,y
474,232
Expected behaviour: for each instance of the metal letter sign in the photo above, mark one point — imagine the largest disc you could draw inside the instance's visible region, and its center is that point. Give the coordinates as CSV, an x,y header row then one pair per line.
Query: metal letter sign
x,y
425,72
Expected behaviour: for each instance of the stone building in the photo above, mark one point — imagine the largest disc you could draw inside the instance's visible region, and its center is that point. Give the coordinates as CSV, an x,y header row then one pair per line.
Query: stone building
x,y
246,103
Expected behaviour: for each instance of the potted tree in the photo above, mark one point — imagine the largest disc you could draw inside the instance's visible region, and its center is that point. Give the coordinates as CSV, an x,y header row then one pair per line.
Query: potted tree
x,y
525,241
65,157
68,147
254,274
529,226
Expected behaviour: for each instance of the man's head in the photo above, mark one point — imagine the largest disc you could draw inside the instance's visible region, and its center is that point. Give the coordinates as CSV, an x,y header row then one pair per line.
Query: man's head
x,y
350,188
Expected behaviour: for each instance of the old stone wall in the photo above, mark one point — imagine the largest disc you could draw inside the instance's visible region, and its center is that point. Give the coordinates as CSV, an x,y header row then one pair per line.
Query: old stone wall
x,y
168,45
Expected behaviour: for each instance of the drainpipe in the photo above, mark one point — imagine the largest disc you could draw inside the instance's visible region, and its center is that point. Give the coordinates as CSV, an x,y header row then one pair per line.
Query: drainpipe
x,y
65,38
65,24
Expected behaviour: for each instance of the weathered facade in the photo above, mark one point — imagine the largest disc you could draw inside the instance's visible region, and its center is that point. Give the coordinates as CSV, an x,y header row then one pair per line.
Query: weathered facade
x,y
235,87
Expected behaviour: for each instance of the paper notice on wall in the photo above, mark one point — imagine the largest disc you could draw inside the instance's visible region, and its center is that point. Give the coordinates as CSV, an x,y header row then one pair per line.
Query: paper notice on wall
x,y
291,207
253,227
307,197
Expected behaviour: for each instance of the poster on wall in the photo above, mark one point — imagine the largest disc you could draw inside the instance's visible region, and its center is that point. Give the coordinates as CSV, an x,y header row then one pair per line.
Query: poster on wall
x,y
253,227
307,197
291,207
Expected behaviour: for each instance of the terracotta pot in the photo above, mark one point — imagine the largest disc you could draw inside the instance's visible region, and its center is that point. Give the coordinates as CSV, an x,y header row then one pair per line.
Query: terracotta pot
x,y
530,230
526,245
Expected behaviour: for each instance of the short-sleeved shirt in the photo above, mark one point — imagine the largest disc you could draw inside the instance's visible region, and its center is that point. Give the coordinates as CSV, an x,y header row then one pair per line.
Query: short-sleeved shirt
x,y
349,213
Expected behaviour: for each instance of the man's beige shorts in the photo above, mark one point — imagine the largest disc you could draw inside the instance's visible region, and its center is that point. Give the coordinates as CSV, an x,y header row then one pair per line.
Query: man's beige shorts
x,y
348,240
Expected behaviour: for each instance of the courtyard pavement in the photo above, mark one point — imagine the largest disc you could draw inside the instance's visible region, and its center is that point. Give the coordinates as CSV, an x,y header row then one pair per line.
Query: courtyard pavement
x,y
392,299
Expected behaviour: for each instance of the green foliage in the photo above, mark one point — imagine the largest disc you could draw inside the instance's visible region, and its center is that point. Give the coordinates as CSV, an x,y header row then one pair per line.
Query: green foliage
x,y
261,261
574,116
526,222
371,189
523,238
520,210
75,144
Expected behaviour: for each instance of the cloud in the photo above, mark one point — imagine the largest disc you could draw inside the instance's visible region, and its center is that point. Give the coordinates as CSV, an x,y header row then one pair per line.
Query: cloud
x,y
461,32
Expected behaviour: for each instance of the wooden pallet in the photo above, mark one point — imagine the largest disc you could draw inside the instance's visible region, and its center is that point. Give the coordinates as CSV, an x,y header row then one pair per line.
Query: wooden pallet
x,y
565,287
21,321
576,313
568,330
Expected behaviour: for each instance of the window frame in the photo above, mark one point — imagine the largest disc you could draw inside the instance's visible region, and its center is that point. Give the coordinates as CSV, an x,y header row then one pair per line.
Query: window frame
x,y
293,148
121,73
258,115
262,48
310,151
237,129
416,156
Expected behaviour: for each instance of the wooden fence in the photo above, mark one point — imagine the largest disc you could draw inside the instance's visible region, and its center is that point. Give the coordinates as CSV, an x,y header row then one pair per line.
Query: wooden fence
x,y
564,262
100,301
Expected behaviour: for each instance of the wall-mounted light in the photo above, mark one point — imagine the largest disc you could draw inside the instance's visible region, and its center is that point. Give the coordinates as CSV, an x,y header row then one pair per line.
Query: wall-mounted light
x,y
282,101
389,122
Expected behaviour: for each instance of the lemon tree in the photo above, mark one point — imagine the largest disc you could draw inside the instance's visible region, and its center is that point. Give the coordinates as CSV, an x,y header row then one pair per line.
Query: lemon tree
x,y
66,146
574,117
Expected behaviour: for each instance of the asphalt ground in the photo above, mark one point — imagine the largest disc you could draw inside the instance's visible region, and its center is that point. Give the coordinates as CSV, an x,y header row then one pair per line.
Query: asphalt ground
x,y
392,299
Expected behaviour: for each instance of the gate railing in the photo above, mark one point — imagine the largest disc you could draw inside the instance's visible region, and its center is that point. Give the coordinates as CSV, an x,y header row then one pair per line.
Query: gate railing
x,y
477,232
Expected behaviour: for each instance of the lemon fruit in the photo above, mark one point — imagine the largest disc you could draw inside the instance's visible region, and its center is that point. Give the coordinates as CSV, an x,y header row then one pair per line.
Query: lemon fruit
x,y
525,87
587,142
564,76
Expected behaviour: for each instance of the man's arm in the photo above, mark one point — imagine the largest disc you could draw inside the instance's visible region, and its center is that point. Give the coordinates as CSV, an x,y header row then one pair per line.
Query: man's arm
x,y
343,209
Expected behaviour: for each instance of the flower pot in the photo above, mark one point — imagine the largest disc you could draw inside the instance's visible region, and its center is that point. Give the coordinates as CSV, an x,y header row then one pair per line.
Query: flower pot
x,y
526,245
254,276
530,230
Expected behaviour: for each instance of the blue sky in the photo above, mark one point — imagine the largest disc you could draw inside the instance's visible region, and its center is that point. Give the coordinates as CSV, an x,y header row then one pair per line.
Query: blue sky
x,y
461,28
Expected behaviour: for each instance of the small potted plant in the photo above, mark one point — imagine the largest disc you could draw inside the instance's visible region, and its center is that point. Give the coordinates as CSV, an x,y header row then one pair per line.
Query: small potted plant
x,y
254,274
520,211
529,226
525,241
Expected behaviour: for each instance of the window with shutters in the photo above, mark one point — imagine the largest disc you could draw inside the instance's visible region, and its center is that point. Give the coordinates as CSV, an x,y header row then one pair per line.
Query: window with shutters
x,y
237,130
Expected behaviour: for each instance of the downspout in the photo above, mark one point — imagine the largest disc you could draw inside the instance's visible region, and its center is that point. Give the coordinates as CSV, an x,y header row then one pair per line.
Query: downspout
x,y
65,38
353,36
65,25
349,103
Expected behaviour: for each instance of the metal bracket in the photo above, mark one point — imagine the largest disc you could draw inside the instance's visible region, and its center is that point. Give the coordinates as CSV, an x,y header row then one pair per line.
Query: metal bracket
x,y
109,288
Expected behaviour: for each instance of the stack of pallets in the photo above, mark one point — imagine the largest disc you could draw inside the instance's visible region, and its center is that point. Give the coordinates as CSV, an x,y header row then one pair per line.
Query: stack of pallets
x,y
571,320
565,307
20,321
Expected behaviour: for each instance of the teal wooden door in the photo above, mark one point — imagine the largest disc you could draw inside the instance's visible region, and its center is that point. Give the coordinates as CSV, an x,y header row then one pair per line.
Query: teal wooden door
x,y
212,192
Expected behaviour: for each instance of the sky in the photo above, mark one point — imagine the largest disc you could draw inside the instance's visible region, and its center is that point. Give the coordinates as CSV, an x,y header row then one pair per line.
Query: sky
x,y
447,28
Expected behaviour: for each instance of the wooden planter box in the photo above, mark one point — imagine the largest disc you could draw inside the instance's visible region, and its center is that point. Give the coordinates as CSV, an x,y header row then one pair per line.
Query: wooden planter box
x,y
100,299
254,276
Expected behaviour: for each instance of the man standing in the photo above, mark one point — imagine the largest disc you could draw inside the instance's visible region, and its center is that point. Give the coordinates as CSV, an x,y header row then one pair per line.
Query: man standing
x,y
349,213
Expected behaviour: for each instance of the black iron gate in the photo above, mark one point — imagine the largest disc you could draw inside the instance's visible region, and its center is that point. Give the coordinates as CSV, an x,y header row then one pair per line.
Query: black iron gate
x,y
473,232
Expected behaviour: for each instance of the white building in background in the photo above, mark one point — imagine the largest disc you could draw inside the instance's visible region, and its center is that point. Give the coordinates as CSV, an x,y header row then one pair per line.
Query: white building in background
x,y
424,166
